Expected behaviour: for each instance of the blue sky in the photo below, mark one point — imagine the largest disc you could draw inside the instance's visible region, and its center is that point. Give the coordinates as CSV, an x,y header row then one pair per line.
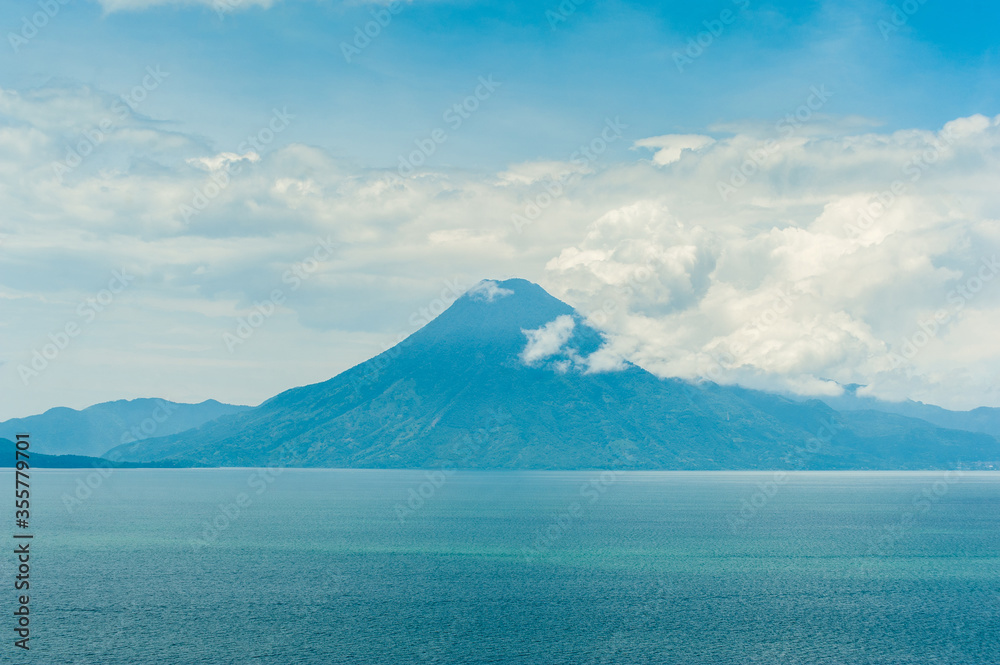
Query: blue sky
x,y
926,87
558,83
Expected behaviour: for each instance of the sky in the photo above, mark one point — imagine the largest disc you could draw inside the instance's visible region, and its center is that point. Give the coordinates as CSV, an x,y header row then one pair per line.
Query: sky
x,y
228,198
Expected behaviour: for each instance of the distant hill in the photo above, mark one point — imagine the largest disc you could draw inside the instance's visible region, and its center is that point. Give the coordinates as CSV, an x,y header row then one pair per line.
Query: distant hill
x,y
8,459
984,419
510,377
96,429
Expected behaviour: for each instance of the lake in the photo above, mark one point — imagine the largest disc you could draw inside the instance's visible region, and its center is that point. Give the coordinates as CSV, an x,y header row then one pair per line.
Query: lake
x,y
360,566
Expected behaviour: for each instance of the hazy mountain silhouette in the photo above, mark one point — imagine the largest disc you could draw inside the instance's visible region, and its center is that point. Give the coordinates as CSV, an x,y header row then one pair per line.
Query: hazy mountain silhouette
x,y
36,460
98,428
983,419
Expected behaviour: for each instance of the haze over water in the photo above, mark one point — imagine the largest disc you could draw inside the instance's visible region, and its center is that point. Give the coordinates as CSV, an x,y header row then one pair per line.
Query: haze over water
x,y
337,566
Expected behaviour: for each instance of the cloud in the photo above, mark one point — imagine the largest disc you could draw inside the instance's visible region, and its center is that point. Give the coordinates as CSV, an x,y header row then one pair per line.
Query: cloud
x,y
110,6
643,248
669,147
548,340
826,261
835,277
221,6
488,291
604,359
529,173
222,160
551,340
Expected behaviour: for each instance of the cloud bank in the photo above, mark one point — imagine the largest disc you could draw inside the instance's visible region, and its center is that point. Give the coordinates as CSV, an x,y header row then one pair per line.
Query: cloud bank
x,y
783,260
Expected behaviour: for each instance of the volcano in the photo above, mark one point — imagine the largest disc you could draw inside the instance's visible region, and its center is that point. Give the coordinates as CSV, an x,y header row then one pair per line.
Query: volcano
x,y
509,377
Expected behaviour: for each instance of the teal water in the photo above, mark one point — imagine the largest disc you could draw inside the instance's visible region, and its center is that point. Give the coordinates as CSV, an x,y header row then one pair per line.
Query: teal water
x,y
332,566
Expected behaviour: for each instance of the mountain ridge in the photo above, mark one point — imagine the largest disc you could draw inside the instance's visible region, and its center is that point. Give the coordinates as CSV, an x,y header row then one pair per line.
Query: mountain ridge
x,y
982,419
96,429
505,378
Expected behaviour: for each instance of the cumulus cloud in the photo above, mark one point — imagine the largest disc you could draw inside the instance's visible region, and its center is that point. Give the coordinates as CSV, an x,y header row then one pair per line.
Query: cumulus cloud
x,y
488,291
786,287
639,247
825,257
548,340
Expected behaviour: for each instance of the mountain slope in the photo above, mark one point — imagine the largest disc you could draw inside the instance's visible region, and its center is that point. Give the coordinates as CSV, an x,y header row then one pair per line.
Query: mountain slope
x,y
505,379
98,428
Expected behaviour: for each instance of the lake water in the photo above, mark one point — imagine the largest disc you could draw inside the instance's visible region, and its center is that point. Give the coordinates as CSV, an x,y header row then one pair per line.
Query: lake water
x,y
336,566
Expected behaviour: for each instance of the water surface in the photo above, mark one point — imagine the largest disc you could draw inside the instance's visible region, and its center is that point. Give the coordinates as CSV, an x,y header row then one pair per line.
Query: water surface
x,y
345,566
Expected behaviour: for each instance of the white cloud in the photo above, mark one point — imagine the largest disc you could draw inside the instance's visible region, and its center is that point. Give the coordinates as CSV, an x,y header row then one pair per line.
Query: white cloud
x,y
488,291
222,6
604,359
222,160
548,340
813,269
669,147
784,287
110,6
643,248
529,173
